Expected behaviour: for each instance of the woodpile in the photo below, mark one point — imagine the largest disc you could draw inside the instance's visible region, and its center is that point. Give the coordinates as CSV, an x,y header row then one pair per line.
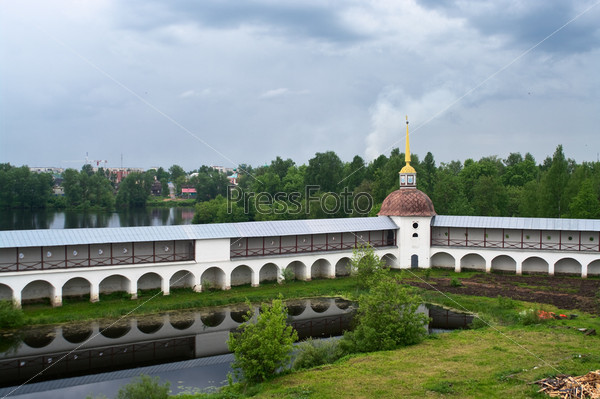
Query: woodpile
x,y
564,386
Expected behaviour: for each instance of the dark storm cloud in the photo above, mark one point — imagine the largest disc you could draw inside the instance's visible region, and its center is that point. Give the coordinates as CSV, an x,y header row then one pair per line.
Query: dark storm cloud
x,y
528,23
305,20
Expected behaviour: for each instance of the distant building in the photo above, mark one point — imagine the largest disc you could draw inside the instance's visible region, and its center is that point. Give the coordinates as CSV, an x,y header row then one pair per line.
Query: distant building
x,y
46,169
188,192
156,188
223,169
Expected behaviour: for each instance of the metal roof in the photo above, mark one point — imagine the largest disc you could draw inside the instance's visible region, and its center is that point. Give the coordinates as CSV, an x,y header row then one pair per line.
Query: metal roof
x,y
38,238
516,223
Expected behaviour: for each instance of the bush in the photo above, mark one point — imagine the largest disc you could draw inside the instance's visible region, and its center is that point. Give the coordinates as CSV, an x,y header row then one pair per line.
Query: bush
x,y
312,353
288,274
387,318
263,346
144,387
365,265
455,282
10,316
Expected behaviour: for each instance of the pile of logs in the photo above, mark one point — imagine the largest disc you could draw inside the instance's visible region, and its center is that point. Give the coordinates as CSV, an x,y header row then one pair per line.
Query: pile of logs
x,y
564,386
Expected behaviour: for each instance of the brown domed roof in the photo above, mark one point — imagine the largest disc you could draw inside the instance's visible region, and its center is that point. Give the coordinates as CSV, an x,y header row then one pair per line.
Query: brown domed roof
x,y
407,202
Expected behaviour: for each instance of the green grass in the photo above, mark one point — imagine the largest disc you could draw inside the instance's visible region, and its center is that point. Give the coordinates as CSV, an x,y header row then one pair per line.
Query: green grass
x,y
484,363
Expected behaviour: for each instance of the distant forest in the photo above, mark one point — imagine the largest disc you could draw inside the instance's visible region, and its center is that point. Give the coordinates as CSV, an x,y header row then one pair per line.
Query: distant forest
x,y
515,186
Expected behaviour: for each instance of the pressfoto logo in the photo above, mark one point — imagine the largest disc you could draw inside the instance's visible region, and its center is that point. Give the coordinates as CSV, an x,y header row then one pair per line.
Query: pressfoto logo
x,y
296,203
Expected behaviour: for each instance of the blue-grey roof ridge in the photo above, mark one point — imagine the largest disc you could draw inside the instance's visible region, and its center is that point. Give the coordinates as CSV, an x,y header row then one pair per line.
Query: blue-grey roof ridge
x,y
547,224
52,237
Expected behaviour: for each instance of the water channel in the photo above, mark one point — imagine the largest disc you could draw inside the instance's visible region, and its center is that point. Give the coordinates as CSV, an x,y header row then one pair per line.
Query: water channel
x,y
187,348
27,219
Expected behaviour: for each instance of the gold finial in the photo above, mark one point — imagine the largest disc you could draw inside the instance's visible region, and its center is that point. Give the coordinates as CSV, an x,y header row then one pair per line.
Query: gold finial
x,y
407,168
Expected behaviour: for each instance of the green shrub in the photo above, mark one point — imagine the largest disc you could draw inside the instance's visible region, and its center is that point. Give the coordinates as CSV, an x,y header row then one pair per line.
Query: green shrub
x,y
365,265
288,274
144,387
506,303
312,353
386,318
262,347
455,282
10,316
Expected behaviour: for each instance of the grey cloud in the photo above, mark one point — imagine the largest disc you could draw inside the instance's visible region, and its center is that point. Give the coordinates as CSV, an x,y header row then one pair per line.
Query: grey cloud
x,y
527,23
296,19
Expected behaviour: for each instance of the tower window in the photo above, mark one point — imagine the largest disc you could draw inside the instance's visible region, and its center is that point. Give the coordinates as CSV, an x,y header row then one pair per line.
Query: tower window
x,y
415,235
415,225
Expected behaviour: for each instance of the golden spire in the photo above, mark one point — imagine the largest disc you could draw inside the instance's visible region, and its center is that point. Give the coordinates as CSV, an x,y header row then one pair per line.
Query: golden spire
x,y
407,168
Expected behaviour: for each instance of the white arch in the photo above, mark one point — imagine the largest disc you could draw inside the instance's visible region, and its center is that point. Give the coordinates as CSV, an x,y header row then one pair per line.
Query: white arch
x,y
593,268
241,275
39,289
149,281
443,260
6,293
504,263
182,279
534,264
390,260
268,272
342,267
321,268
213,277
115,283
300,270
76,287
568,266
472,261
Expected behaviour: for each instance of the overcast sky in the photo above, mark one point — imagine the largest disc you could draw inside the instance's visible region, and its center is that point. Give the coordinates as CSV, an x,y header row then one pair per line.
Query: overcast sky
x,y
224,82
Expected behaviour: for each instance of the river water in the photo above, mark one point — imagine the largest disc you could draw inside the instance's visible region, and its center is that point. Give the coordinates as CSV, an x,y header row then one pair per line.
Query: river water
x,y
187,348
26,219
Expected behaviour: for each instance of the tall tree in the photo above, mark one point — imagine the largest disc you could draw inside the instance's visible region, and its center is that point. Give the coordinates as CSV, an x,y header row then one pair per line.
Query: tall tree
x,y
324,170
553,203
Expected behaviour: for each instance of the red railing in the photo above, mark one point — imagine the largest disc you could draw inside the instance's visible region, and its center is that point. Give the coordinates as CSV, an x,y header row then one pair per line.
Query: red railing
x,y
552,246
87,261
277,249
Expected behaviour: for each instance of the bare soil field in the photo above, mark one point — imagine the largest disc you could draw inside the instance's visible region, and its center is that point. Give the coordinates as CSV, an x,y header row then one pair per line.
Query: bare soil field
x,y
561,291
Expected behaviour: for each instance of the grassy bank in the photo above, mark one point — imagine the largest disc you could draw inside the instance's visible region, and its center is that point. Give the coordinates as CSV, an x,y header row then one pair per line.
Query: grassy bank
x,y
485,363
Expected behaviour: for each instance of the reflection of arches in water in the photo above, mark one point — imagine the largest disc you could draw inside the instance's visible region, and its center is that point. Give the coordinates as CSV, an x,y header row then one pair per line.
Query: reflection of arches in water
x,y
320,306
115,331
149,327
76,334
238,315
342,303
295,308
213,319
39,337
183,323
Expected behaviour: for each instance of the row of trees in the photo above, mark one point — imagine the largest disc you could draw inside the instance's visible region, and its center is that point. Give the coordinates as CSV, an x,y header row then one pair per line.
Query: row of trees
x,y
515,186
329,187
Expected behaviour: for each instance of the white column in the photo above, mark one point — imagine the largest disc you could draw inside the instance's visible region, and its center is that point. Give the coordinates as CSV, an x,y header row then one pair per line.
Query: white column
x,y
56,297
94,292
165,286
17,298
133,289
255,278
227,285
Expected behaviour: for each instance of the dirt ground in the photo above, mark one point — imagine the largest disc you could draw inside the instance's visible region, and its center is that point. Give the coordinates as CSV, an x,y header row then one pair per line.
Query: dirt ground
x,y
568,293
